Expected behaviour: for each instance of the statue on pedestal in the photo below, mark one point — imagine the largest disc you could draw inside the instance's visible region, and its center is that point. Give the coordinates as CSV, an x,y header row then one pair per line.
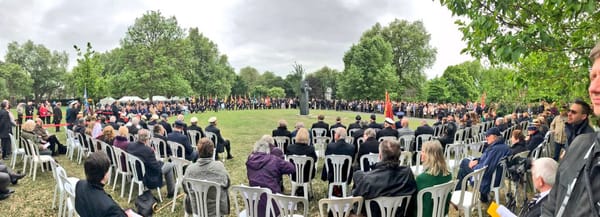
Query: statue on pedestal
x,y
304,97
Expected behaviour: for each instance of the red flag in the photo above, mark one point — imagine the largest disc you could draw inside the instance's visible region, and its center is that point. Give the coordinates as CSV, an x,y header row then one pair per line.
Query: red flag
x,y
483,100
388,107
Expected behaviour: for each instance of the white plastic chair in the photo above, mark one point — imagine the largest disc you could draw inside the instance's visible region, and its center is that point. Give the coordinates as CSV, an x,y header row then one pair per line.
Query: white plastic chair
x,y
406,158
337,163
16,151
198,192
340,207
352,131
417,169
320,144
496,188
288,205
350,140
179,164
439,196
177,149
454,160
33,151
466,200
110,152
84,149
282,142
251,197
69,190
213,137
58,172
419,140
72,143
133,162
317,132
388,206
300,162
160,147
121,169
371,159
194,136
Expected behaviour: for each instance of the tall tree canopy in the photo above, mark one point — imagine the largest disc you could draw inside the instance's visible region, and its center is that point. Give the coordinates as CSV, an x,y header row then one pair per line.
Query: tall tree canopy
x,y
88,74
20,82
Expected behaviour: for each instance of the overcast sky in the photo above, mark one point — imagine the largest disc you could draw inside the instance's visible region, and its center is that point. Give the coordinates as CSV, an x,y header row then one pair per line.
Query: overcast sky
x,y
265,34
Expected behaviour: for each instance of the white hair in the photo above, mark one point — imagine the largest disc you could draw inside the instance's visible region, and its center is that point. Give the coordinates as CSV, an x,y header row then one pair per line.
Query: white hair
x,y
545,168
341,132
262,146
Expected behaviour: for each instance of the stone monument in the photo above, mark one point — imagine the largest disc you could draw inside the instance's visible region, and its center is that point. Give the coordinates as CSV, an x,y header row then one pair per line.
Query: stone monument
x,y
304,97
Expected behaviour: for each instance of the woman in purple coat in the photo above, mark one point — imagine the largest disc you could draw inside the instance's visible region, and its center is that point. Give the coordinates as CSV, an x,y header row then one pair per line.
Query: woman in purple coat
x,y
265,170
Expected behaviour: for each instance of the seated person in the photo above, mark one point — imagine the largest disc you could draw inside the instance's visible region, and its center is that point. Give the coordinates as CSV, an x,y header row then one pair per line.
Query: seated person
x,y
91,199
424,129
221,142
543,173
450,128
159,133
405,131
321,124
435,173
355,125
194,126
79,126
154,169
27,133
282,131
179,137
338,147
7,176
108,135
265,170
388,129
387,178
517,141
273,148
373,122
534,137
338,123
206,168
370,145
296,128
300,148
43,134
495,151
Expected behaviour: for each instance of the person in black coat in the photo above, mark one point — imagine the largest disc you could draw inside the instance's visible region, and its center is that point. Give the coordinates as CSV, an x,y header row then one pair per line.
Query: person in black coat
x,y
72,113
194,126
29,111
355,125
92,200
534,137
387,130
321,124
359,133
282,130
370,145
221,142
301,147
164,122
57,113
178,137
373,124
338,123
424,129
6,124
154,169
339,147
517,141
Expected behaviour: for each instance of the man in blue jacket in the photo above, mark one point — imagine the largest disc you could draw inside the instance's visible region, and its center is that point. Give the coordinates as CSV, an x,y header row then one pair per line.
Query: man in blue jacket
x,y
178,137
495,151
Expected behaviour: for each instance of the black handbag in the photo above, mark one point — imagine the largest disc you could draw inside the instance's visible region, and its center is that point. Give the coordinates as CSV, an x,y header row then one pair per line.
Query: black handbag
x,y
146,203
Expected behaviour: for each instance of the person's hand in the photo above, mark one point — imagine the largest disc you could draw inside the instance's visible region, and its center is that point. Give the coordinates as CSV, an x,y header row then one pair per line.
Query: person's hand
x,y
473,163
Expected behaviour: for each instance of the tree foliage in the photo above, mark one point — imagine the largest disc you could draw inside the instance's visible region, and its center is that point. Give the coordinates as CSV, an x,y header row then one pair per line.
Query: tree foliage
x,y
322,79
87,74
20,83
276,92
368,71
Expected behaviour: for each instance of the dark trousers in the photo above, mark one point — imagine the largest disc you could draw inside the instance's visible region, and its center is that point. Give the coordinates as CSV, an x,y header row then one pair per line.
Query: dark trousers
x,y
5,178
57,122
557,148
463,171
53,144
48,120
227,146
6,148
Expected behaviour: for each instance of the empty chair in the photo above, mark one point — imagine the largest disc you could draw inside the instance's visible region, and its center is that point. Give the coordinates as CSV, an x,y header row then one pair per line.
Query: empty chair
x,y
251,196
69,193
121,169
58,171
340,207
288,205
302,164
388,206
179,164
282,142
72,143
198,192
16,151
368,160
320,144
438,195
406,158
419,140
335,164
464,199
406,142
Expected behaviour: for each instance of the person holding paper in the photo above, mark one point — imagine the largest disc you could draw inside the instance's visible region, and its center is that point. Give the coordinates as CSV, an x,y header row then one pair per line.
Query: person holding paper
x,y
543,172
27,133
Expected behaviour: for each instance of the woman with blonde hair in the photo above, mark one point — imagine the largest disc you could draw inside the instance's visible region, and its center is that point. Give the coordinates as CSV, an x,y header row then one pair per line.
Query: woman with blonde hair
x,y
108,135
27,133
436,172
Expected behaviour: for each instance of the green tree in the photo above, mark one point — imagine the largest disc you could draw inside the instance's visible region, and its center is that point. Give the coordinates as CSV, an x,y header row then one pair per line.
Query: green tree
x,y
46,68
250,76
437,90
293,80
155,55
269,79
276,92
460,83
412,52
368,71
259,91
239,88
20,83
88,74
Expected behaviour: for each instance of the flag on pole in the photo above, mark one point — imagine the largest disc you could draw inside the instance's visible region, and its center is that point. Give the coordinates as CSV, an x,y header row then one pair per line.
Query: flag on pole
x,y
388,107
85,99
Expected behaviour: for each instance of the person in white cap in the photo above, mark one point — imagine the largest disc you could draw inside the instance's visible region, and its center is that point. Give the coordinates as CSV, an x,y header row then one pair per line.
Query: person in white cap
x,y
387,129
212,127
194,126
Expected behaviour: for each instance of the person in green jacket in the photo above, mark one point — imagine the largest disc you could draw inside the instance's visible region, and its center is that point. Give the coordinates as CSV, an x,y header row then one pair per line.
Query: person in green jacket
x,y
436,172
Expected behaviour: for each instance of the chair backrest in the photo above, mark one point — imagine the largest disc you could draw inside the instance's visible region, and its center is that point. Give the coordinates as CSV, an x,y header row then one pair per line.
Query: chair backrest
x,y
300,162
288,205
371,159
406,141
194,136
160,147
318,132
405,158
120,163
337,163
388,206
349,139
439,196
251,197
212,136
503,167
422,139
89,142
136,166
132,137
340,207
32,149
475,147
282,141
352,131
477,176
177,149
69,189
110,152
391,138
198,192
459,136
179,164
523,154
13,143
360,141
99,144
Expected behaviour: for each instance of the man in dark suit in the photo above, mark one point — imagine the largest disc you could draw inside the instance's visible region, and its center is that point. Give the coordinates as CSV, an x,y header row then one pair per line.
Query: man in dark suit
x,y
370,145
29,111
339,147
72,113
424,129
543,173
282,130
91,198
194,126
374,123
6,124
57,112
338,123
355,125
534,137
154,169
164,122
321,124
387,130
359,133
221,142
178,137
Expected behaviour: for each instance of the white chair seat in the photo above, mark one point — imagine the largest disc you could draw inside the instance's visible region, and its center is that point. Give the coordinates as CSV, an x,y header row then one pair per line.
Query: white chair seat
x,y
416,171
468,200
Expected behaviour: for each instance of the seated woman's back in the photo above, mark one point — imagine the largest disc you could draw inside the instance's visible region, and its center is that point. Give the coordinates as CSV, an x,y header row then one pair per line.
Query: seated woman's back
x,y
436,172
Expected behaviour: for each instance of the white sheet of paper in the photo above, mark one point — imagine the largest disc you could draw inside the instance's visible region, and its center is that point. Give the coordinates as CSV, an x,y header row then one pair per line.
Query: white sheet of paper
x,y
505,212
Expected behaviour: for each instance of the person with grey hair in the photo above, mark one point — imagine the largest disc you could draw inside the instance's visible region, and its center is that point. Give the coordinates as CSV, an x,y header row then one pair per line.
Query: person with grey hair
x,y
296,128
265,170
154,169
135,126
338,147
112,121
273,149
370,145
283,132
543,173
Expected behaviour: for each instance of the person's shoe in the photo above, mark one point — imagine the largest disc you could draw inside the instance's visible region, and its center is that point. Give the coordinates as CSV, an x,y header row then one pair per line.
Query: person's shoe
x,y
229,157
4,196
14,178
8,191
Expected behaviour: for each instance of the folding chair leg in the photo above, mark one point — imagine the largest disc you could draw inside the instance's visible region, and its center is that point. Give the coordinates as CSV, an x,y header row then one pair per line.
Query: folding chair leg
x,y
175,196
123,184
160,195
34,170
115,181
130,191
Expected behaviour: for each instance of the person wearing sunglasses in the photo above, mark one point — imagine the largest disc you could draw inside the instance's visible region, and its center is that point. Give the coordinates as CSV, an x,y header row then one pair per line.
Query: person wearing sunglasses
x,y
578,120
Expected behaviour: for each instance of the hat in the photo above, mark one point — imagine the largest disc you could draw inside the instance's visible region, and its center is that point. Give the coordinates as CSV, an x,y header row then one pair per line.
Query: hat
x,y
154,117
194,120
493,131
164,115
373,117
179,123
357,117
389,121
532,127
73,102
212,119
144,117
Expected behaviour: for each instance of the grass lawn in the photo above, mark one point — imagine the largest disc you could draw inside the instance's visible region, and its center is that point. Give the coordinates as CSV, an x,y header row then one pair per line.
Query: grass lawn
x,y
243,128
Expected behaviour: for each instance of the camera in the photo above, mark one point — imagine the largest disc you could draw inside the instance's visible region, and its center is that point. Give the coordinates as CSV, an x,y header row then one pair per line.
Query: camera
x,y
517,167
